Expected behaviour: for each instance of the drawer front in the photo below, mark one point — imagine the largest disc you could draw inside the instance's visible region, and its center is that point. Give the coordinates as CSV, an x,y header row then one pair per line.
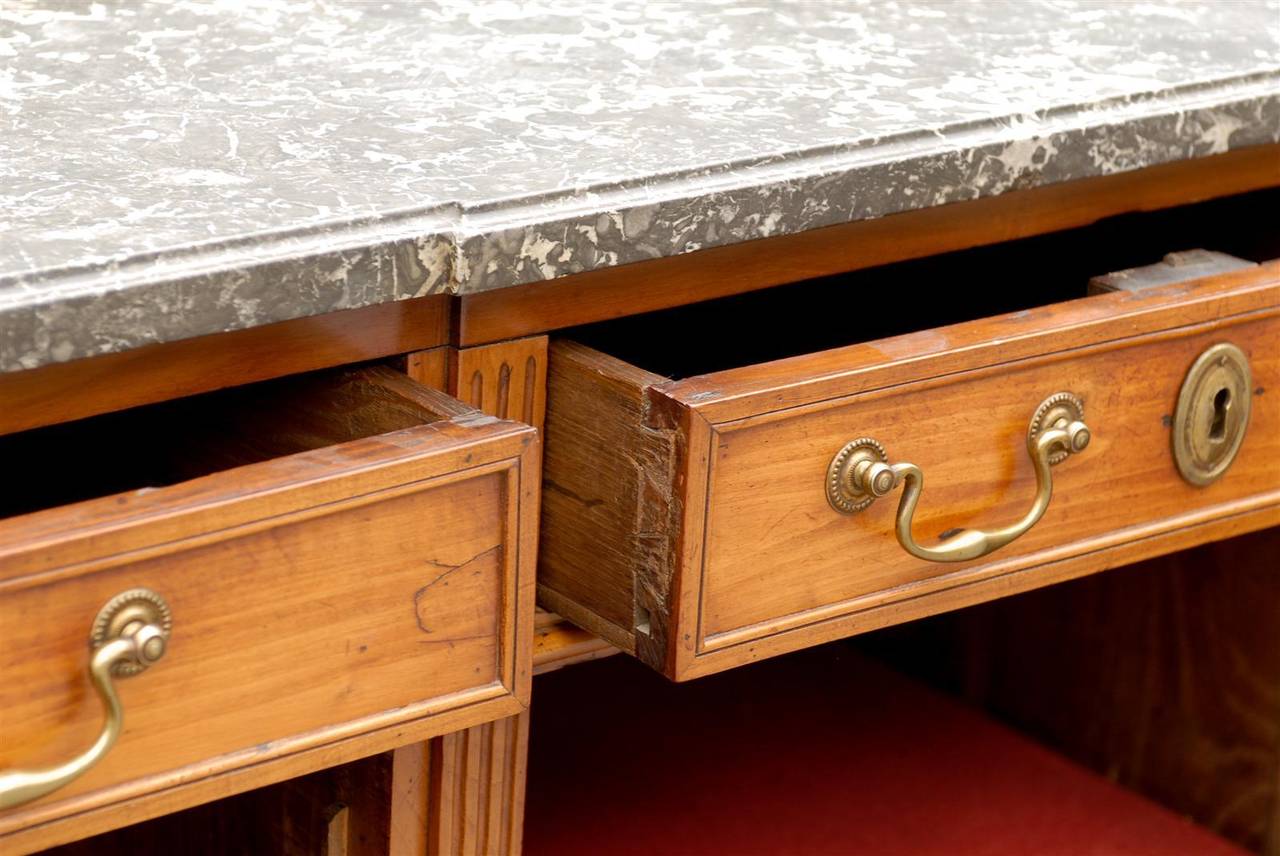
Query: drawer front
x,y
350,598
738,553
778,557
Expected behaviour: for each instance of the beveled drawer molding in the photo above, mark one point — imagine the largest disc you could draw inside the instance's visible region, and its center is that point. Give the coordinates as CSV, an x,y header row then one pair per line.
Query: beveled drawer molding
x,y
688,521
325,605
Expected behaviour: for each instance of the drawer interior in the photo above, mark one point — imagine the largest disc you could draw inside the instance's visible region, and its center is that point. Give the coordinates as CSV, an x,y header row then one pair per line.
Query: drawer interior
x,y
163,444
906,297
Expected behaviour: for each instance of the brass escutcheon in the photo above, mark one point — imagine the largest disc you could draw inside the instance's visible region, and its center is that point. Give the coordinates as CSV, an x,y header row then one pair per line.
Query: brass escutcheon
x,y
1212,414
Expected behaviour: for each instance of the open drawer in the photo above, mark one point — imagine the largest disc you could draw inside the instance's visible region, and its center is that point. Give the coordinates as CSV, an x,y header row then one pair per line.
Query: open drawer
x,y
708,520
316,569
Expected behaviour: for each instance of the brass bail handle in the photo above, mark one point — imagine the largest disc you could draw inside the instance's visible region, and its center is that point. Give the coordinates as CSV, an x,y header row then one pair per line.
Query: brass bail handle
x,y
861,473
129,634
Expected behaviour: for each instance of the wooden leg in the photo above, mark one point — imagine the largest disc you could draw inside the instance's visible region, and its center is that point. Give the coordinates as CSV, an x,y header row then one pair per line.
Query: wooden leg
x,y
410,772
473,790
477,789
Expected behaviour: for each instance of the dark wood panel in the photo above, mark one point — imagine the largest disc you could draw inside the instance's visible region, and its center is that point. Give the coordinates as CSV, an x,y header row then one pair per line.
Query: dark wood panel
x,y
342,811
1164,676
65,391
606,491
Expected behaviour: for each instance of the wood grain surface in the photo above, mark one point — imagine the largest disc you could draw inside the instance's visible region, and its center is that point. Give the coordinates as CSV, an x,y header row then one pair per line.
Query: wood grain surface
x,y
749,560
286,656
477,789
603,472
558,642
473,791
507,380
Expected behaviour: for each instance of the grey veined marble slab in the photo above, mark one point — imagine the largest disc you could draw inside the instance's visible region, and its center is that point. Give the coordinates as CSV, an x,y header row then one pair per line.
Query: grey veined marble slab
x,y
175,169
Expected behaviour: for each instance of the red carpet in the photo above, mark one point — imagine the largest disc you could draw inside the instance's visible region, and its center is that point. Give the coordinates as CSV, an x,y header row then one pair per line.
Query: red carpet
x,y
821,752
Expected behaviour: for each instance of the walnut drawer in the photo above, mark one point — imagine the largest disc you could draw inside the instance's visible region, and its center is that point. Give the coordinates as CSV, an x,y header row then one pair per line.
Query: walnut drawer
x,y
371,590
687,520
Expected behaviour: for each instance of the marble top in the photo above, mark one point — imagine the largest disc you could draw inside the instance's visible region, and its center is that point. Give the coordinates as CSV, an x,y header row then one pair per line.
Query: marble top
x,y
172,169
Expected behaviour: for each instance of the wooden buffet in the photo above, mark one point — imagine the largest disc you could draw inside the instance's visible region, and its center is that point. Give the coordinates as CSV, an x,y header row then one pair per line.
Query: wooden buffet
x,y
661,530
325,565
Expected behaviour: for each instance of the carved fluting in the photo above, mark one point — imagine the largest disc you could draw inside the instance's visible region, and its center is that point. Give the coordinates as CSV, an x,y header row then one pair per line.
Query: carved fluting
x,y
477,789
507,380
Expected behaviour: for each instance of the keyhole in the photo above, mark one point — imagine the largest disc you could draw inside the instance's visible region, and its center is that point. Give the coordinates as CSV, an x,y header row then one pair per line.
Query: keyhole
x,y
1221,404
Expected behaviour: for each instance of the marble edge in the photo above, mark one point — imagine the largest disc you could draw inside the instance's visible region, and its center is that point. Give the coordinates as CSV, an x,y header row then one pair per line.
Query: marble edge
x,y
454,249
871,174
1265,81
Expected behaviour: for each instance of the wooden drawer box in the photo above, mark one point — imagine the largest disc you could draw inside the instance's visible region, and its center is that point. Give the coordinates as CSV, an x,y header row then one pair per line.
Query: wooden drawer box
x,y
370,588
687,521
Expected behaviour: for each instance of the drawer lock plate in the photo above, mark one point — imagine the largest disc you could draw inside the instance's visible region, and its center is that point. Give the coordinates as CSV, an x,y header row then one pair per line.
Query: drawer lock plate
x,y
1212,414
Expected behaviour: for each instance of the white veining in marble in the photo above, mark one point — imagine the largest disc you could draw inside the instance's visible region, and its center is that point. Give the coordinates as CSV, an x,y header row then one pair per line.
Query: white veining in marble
x,y
175,169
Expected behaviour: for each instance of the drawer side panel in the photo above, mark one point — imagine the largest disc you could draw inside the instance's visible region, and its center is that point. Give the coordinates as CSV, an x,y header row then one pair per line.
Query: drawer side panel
x,y
607,480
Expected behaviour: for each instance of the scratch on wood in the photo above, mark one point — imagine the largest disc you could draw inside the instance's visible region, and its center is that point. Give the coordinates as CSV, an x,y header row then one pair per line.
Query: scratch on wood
x,y
564,491
455,639
420,594
474,420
